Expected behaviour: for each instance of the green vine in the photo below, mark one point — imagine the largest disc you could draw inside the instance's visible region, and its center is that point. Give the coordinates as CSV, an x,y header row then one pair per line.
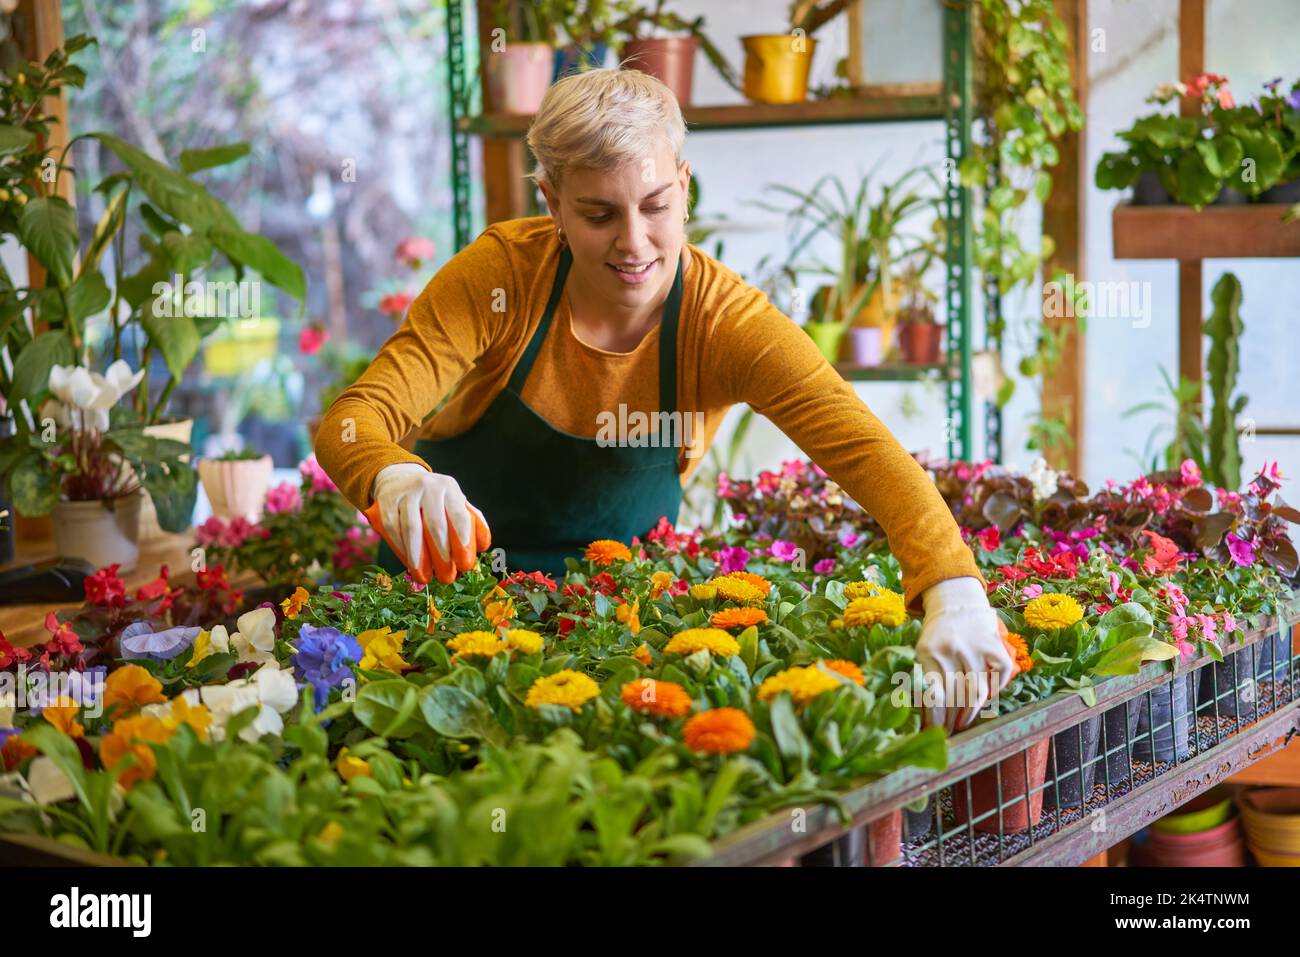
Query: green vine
x,y
1224,327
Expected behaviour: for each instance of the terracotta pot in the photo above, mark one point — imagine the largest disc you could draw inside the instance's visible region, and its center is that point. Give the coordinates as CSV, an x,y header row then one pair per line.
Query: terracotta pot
x,y
100,535
1220,846
236,486
920,341
1022,774
884,838
180,431
518,77
669,59
777,66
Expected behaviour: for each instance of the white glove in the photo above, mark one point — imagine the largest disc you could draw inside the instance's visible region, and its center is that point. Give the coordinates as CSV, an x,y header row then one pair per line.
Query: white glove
x,y
405,490
960,642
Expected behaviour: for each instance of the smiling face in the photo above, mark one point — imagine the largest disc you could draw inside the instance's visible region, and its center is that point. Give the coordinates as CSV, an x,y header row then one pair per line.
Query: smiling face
x,y
625,229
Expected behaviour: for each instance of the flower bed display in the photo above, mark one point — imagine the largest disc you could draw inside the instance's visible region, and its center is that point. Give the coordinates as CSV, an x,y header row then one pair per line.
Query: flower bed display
x,y
661,695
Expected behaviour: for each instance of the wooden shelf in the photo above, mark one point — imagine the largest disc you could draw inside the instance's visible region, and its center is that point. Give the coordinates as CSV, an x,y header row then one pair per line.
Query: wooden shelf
x,y
891,108
893,372
1216,232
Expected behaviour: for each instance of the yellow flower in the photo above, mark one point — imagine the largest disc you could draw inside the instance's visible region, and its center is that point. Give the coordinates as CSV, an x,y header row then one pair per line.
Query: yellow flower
x,y
383,650
202,648
606,552
704,592
642,654
331,833
197,716
630,615
862,589
477,644
383,582
883,608
738,590
128,737
749,578
570,689
659,583
1050,611
132,687
63,715
804,684
714,640
499,613
737,617
524,641
295,602
434,613
350,766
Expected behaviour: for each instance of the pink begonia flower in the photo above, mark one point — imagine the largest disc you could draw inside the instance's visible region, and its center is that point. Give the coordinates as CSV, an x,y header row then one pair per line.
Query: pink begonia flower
x,y
1179,624
825,566
285,497
734,558
210,532
783,551
848,539
1208,628
1032,591
1242,551
1186,649
311,339
1229,623
1225,98
1189,473
320,482
415,249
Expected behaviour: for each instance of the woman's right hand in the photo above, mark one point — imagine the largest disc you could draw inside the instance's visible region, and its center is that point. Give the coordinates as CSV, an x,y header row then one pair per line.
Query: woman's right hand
x,y
407,491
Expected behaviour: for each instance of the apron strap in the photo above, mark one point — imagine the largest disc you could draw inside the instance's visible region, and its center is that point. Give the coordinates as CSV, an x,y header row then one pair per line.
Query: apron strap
x,y
520,374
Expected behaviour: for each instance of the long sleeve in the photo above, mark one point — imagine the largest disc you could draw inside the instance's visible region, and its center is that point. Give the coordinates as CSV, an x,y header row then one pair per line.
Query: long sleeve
x,y
448,327
770,363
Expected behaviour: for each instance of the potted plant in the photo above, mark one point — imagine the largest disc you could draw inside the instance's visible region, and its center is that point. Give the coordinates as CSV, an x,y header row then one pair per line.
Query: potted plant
x,y
88,461
519,67
777,65
588,27
919,336
670,58
236,483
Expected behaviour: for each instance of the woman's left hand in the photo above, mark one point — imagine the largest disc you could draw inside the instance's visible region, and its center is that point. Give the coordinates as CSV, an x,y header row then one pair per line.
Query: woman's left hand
x,y
960,650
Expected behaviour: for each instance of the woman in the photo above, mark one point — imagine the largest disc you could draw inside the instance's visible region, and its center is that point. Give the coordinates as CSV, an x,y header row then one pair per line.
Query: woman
x,y
552,327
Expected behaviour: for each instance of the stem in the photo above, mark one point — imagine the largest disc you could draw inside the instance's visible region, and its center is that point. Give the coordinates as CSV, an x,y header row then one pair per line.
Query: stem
x,y
162,400
142,391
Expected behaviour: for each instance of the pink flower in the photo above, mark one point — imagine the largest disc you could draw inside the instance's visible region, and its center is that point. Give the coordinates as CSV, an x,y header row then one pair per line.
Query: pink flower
x,y
411,251
1114,582
1179,624
285,497
1176,595
1207,627
1225,98
783,551
241,529
848,539
320,482
1186,649
311,338
1189,473
1031,591
210,532
395,304
734,559
1242,551
990,538
724,485
1227,500
825,566
1229,623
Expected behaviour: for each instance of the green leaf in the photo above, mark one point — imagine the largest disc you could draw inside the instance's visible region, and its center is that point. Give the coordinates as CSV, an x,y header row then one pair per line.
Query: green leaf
x,y
174,493
14,139
33,487
790,739
388,708
172,192
176,337
263,256
748,641
455,713
88,295
47,226
186,252
1127,658
191,161
33,365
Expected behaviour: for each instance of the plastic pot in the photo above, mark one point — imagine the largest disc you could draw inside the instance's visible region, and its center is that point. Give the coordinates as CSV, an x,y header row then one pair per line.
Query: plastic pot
x,y
920,341
1021,775
1149,191
1230,197
1288,192
178,430
1172,717
850,850
236,486
519,76
573,58
827,335
1072,762
918,824
669,59
777,66
1201,814
1117,726
100,534
1233,690
866,346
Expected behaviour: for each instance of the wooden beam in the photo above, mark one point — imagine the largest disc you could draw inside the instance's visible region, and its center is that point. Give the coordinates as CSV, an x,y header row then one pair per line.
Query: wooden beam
x,y
1063,220
1191,61
505,191
1249,231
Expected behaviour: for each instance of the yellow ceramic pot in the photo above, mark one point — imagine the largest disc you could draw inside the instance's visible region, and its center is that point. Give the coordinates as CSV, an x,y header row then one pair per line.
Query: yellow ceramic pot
x,y
776,67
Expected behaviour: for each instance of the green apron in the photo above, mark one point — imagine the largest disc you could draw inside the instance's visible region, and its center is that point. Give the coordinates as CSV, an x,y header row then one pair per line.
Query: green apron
x,y
545,493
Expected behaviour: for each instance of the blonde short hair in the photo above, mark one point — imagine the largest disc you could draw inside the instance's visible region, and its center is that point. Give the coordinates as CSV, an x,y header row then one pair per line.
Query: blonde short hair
x,y
603,119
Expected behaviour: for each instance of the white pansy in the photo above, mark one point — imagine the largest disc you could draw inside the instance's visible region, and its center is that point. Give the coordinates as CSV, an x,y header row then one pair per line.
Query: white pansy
x,y
1042,479
219,640
271,690
258,628
48,783
164,710
276,688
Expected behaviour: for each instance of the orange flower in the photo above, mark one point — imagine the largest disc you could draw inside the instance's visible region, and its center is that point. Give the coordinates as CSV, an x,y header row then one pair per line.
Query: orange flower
x,y
720,731
642,654
847,669
605,551
738,617
63,715
129,736
630,615
132,687
659,583
498,608
1017,648
758,581
15,752
295,602
664,698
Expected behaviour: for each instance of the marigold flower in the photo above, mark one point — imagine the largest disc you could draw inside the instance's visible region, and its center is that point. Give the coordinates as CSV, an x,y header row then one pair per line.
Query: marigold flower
x,y
642,654
749,578
383,650
129,736
478,644
663,698
705,592
846,668
1050,611
882,608
738,617
63,715
131,687
862,589
738,590
659,583
605,551
524,641
350,766
719,731
714,640
1018,649
570,689
296,602
803,684
630,614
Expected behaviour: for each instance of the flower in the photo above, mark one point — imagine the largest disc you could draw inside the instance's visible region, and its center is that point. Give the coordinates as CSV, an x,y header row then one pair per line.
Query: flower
x,y
1050,611
63,715
1018,649
738,617
14,751
130,736
131,687
284,497
704,592
139,640
824,567
990,538
499,613
395,304
524,641
90,393
642,654
605,551
737,590
733,558
311,339
383,650
255,639
414,249
1042,478
296,602
1189,473
862,589
803,684
883,608
321,659
713,640
719,731
659,583
847,669
1242,551
569,689
1031,591
270,690
662,698
105,588
311,470
629,614
783,551
1164,560
350,766
478,644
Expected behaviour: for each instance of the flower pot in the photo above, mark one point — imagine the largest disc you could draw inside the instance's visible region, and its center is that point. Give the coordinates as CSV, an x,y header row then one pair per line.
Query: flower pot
x,y
1172,716
573,58
1234,688
669,59
920,342
1230,197
1072,765
1272,657
866,347
885,837
1022,777
178,430
1149,191
777,66
100,534
849,850
1118,724
918,824
1203,813
1217,846
1287,192
827,335
236,486
518,77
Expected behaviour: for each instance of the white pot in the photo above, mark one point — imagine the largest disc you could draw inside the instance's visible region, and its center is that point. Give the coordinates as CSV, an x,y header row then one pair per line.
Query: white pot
x,y
180,431
100,535
236,486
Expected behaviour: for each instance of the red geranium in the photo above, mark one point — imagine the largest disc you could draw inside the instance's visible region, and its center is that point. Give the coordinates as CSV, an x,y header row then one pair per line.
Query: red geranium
x,y
105,588
990,538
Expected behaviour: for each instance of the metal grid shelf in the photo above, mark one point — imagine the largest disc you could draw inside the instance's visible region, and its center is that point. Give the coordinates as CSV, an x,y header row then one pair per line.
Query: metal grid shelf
x,y
897,372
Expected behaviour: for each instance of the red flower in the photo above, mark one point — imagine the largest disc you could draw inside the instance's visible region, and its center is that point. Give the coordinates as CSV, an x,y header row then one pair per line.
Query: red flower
x,y
1012,573
105,588
566,626
311,339
532,579
1164,558
10,655
395,304
570,591
604,583
212,579
990,538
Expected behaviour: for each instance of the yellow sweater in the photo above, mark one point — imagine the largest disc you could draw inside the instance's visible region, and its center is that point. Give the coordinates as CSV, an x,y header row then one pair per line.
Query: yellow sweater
x,y
473,320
